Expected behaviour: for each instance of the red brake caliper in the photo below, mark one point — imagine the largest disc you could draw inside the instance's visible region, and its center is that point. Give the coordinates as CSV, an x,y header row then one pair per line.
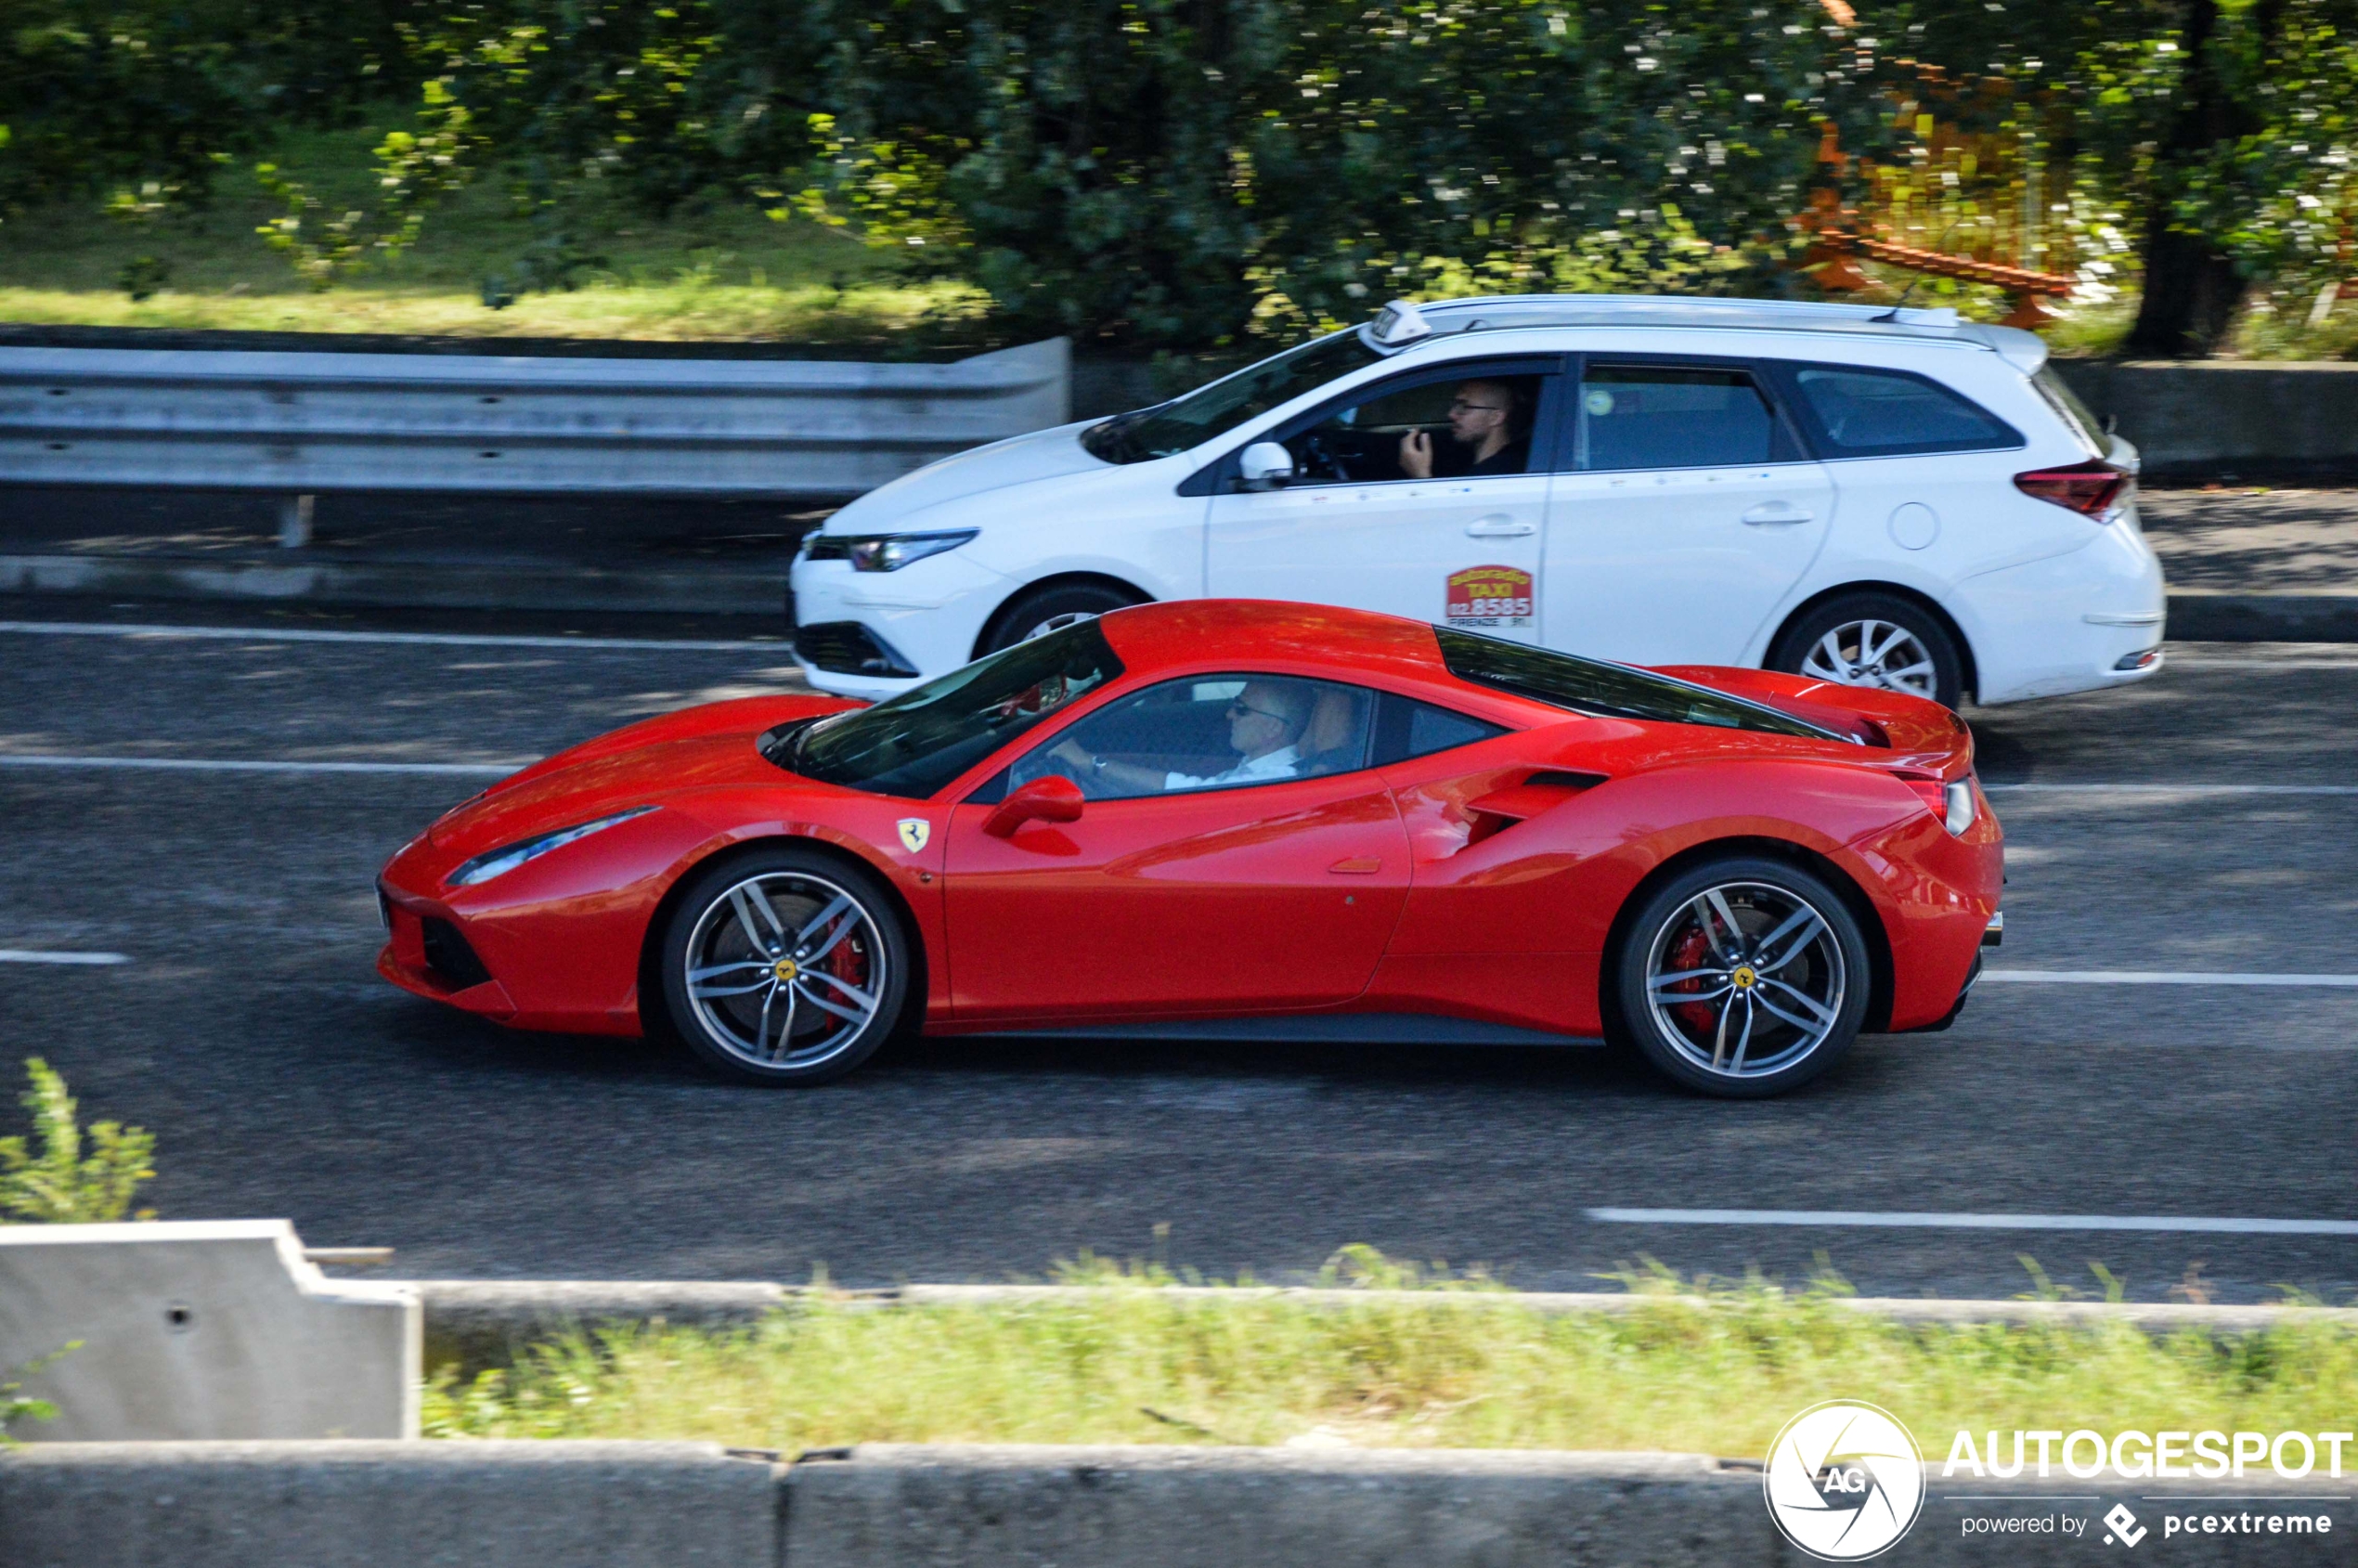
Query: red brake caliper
x,y
849,966
1692,952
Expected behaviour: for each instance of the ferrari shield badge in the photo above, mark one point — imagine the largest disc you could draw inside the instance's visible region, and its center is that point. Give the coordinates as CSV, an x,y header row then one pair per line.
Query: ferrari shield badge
x,y
915,831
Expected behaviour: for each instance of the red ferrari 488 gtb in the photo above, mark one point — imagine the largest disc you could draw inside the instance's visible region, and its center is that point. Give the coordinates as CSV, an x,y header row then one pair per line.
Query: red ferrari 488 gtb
x,y
1228,820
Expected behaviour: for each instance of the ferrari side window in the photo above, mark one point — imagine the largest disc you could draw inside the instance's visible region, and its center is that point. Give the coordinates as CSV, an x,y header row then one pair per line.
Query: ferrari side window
x,y
1407,728
1210,731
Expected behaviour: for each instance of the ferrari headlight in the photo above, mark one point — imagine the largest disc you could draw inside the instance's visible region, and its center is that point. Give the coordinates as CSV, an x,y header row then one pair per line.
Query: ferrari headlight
x,y
890,553
499,861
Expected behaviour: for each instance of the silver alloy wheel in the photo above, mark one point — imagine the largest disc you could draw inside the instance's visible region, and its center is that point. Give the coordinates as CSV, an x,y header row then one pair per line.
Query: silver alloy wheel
x,y
1746,980
1874,653
1058,623
785,969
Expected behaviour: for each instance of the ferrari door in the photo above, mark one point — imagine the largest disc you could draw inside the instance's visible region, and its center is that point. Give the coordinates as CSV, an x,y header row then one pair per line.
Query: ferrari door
x,y
1181,890
1392,508
1688,512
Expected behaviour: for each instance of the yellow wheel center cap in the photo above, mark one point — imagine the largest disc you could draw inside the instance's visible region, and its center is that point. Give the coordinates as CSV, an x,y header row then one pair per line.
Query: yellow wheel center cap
x,y
785,968
1742,977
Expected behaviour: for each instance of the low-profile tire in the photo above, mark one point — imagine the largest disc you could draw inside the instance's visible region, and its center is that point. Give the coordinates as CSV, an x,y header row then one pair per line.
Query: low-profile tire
x,y
1743,976
785,966
1874,638
1051,607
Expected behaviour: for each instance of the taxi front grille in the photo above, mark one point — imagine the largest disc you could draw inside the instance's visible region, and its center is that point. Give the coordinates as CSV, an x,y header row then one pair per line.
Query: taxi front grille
x,y
848,648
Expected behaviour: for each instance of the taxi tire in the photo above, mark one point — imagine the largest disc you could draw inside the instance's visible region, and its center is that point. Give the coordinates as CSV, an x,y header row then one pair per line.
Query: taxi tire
x,y
1017,618
1793,645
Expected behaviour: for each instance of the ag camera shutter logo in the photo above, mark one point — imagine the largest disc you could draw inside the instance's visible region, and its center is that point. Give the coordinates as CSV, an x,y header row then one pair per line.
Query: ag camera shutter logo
x,y
1845,1481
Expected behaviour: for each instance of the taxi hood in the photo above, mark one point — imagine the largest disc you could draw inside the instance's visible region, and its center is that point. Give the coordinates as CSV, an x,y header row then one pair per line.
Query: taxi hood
x,y
1043,454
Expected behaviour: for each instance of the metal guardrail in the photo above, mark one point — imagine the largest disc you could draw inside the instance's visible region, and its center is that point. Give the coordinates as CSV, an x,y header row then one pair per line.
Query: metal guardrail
x,y
295,423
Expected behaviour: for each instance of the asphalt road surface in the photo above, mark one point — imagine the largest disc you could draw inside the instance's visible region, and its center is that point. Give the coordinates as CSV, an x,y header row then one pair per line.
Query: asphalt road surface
x,y
282,1077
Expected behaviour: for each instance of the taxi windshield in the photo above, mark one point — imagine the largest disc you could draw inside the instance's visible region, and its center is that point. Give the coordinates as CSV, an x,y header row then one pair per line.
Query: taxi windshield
x,y
914,743
1187,423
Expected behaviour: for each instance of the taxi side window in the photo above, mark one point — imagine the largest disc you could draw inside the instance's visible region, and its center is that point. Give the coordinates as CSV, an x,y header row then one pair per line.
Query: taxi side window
x,y
1861,413
1469,426
1674,416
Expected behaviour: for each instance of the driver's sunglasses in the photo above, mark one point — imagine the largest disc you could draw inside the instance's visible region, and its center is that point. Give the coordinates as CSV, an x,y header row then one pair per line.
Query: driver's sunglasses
x,y
1240,706
1461,405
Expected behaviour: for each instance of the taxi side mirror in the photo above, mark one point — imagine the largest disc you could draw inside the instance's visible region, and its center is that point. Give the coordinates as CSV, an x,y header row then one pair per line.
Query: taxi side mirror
x,y
1052,800
1264,466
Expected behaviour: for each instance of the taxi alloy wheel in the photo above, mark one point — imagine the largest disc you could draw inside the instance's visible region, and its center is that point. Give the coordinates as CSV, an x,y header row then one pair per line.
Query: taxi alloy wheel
x,y
1051,607
782,967
1743,977
1879,639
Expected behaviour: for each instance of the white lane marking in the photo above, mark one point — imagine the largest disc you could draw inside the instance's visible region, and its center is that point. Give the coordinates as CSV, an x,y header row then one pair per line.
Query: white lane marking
x,y
1905,1220
423,639
2184,661
31,955
2154,977
2167,789
219,765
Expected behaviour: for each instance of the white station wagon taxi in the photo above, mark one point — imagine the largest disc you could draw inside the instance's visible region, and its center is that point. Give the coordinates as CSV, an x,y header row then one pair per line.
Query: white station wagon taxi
x,y
1860,494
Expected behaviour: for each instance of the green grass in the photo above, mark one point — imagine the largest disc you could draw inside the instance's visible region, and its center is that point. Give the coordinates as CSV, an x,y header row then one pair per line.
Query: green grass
x,y
1125,1363
710,269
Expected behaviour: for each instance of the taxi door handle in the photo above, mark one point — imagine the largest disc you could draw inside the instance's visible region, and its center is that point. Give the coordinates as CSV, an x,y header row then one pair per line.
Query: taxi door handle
x,y
1779,511
1498,525
1358,865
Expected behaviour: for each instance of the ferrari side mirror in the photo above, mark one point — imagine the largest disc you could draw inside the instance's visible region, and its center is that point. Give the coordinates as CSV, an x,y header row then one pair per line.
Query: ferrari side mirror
x,y
1264,466
1052,800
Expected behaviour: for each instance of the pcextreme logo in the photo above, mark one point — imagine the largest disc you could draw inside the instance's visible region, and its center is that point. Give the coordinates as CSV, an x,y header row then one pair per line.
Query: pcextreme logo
x,y
1845,1481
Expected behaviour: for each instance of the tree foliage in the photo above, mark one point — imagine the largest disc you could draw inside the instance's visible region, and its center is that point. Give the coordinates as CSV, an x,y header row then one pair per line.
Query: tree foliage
x,y
1185,171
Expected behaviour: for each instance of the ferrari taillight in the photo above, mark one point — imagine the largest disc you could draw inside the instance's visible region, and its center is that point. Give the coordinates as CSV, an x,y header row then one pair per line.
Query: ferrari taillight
x,y
1951,802
2088,489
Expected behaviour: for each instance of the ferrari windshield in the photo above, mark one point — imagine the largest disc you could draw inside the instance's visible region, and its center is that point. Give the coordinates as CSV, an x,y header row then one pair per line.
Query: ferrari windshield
x,y
1187,423
1609,690
914,743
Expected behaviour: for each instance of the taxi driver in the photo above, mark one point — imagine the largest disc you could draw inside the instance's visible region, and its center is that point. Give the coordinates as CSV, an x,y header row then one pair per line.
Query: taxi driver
x,y
1482,419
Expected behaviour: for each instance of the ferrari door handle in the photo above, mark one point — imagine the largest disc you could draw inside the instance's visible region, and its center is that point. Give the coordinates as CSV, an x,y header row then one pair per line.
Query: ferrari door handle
x,y
1358,865
1779,511
1498,525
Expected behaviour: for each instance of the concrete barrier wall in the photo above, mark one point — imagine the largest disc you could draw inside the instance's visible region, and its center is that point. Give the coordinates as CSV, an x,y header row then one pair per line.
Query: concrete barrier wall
x,y
695,1505
204,1329
2211,417
374,1505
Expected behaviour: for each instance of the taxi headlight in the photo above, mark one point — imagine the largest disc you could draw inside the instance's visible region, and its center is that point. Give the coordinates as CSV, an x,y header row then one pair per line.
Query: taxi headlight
x,y
890,553
499,861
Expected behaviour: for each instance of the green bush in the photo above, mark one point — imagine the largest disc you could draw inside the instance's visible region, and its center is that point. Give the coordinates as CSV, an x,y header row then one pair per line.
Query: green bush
x,y
57,1186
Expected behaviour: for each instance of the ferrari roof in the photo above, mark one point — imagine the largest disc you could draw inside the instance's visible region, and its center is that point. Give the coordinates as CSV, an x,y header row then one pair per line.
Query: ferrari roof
x,y
1254,631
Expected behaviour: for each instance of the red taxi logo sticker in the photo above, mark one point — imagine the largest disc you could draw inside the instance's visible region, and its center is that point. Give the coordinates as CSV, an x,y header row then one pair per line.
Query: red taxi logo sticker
x,y
1489,596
